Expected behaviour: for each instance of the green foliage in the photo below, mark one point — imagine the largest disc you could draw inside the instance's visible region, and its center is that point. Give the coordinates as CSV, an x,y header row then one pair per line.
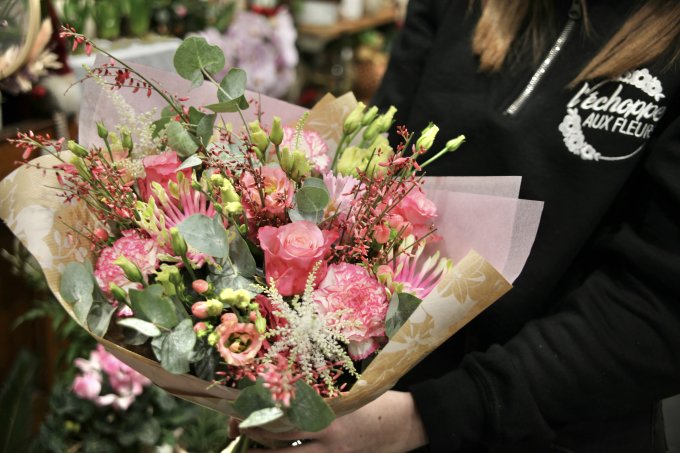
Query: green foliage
x,y
194,57
180,139
261,417
231,92
16,395
177,348
238,269
207,432
308,411
205,234
152,305
90,307
311,201
402,306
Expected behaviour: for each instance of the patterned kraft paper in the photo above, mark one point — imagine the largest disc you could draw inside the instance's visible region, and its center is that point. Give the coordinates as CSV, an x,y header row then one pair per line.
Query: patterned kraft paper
x,y
32,209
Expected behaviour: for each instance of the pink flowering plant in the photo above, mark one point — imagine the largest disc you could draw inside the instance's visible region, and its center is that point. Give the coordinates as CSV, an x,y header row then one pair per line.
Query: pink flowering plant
x,y
251,255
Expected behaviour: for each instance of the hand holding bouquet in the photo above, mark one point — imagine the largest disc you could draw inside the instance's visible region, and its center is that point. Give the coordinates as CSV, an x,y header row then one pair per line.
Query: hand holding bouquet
x,y
292,267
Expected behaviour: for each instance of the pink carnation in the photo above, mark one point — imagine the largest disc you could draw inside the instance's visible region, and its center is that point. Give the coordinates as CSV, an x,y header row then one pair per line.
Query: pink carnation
x,y
239,343
311,144
291,252
363,301
161,168
140,250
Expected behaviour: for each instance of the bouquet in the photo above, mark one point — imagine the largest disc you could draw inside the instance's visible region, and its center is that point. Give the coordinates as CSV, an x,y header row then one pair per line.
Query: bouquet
x,y
270,263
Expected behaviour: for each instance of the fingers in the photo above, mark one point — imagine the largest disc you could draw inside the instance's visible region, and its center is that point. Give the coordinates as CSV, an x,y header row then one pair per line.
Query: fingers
x,y
234,431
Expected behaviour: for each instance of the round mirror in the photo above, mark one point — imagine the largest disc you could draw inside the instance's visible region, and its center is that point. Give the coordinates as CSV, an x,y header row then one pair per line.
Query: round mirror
x,y
19,26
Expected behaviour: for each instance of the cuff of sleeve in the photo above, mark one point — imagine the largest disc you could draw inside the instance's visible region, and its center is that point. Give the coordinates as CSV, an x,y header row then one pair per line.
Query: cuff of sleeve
x,y
451,409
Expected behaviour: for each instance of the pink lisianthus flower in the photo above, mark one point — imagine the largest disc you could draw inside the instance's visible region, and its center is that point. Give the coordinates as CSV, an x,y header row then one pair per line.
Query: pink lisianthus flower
x,y
161,168
140,250
311,144
291,252
239,342
278,192
416,209
361,301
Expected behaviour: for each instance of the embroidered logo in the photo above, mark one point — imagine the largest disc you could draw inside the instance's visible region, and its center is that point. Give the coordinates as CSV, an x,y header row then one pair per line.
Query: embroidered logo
x,y
628,107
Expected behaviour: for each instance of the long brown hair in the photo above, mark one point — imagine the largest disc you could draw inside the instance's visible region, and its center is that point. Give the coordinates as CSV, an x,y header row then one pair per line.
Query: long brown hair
x,y
649,32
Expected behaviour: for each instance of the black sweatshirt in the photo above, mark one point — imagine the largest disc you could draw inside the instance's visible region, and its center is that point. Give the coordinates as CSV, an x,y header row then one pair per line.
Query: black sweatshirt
x,y
577,354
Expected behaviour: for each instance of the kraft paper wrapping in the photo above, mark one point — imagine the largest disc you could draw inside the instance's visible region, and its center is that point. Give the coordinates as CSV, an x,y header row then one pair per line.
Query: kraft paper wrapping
x,y
32,209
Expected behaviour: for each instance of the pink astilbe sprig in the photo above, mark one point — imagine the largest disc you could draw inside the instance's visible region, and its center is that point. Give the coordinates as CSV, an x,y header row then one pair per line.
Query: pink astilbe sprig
x,y
280,380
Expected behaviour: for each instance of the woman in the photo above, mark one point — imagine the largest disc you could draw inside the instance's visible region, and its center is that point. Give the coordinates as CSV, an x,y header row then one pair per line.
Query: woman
x,y
582,101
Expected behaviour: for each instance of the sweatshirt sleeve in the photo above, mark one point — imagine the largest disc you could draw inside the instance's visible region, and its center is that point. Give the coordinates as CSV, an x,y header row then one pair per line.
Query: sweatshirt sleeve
x,y
611,348
407,57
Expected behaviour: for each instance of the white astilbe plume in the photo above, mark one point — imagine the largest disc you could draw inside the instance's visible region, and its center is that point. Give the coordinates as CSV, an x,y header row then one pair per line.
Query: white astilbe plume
x,y
139,125
314,341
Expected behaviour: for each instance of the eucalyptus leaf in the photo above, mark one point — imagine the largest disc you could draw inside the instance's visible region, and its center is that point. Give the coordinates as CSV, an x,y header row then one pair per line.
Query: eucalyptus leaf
x,y
253,398
238,270
308,411
230,106
101,312
195,116
233,85
180,139
141,326
189,162
402,306
314,217
312,197
177,349
76,287
205,234
261,417
204,129
152,305
194,56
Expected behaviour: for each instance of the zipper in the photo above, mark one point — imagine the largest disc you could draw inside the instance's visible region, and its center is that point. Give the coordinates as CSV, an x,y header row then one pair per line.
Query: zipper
x,y
575,14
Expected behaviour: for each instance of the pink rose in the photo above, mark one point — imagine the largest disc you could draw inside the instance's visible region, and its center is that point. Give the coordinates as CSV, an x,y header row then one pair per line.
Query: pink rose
x,y
140,250
239,343
361,299
278,192
291,251
418,210
161,168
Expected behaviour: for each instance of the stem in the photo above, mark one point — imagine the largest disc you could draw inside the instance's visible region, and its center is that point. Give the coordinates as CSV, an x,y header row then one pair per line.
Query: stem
x,y
435,157
219,87
190,269
338,152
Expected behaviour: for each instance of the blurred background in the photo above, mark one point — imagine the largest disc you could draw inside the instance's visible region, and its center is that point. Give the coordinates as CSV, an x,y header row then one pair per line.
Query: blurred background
x,y
58,392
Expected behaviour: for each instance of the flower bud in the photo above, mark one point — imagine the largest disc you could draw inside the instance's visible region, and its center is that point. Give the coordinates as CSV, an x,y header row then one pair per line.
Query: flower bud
x,y
300,167
276,135
233,207
286,160
371,132
228,192
427,137
127,141
179,245
77,149
353,121
261,325
455,143
101,234
130,269
384,121
217,179
201,329
118,293
81,167
260,140
201,286
369,116
213,338
102,131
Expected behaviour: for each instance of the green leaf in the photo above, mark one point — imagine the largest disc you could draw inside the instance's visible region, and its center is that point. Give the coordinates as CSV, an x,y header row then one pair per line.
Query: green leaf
x,y
191,161
314,217
180,139
177,349
101,311
195,116
195,55
151,305
238,271
76,288
253,399
204,129
231,106
261,417
205,234
308,411
402,306
312,197
16,395
233,85
141,326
